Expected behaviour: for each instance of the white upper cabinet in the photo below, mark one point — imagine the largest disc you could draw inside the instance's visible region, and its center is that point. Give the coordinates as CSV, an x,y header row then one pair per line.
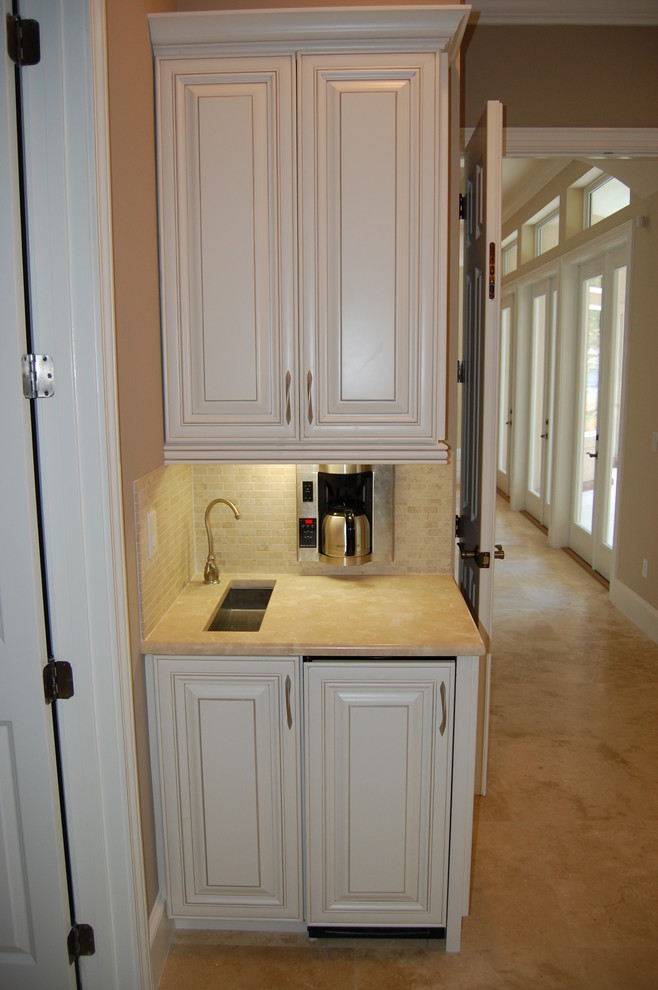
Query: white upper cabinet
x,y
303,161
372,333
226,165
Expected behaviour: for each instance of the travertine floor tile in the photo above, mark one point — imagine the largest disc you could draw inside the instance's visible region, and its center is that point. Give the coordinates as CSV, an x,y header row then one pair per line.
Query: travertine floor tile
x,y
565,867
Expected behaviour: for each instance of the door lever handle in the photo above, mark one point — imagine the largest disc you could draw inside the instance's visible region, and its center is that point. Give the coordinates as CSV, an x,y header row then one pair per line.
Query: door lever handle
x,y
592,455
499,553
481,557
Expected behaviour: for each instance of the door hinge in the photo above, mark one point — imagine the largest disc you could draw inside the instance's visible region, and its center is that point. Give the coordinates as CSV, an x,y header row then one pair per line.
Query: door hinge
x,y
462,206
23,40
81,942
57,681
458,526
38,376
461,373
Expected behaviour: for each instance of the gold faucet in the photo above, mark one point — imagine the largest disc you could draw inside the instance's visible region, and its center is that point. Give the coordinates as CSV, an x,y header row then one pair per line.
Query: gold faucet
x,y
210,571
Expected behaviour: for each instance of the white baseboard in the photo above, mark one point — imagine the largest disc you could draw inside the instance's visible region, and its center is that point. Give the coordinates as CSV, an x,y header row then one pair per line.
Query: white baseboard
x,y
644,616
161,932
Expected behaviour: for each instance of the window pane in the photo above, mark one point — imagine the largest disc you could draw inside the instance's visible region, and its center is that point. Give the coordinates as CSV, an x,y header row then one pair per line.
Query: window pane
x,y
510,258
589,410
548,233
503,393
537,394
606,199
615,401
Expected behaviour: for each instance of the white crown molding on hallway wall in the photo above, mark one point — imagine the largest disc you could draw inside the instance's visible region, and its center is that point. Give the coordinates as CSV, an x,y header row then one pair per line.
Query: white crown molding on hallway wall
x,y
631,13
576,142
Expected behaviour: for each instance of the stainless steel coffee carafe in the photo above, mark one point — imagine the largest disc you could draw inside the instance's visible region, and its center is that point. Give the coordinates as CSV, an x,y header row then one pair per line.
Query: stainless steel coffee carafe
x,y
345,534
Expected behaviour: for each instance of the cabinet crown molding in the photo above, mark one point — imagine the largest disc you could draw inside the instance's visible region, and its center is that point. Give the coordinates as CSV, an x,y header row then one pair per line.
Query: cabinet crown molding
x,y
437,27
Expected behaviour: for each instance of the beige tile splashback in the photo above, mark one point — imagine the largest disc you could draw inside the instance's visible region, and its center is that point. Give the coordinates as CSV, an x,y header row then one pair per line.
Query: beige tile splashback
x,y
168,491
264,538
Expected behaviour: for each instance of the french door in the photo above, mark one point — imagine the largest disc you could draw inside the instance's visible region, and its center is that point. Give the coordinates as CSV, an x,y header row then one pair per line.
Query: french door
x,y
542,398
601,323
505,393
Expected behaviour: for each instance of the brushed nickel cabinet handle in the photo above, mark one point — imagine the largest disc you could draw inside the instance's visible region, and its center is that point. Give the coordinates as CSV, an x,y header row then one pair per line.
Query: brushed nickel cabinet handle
x,y
309,383
444,708
288,414
288,705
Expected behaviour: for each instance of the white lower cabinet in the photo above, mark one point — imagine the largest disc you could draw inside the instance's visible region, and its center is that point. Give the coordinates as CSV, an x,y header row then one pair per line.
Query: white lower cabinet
x,y
378,771
382,743
229,745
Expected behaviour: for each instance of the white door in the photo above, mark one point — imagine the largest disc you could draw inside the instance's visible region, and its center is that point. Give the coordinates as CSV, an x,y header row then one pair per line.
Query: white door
x,y
602,315
477,512
541,398
506,393
34,913
379,761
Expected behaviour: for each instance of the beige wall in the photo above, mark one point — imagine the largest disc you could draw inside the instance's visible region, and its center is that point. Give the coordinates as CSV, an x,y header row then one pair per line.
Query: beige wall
x,y
562,76
134,220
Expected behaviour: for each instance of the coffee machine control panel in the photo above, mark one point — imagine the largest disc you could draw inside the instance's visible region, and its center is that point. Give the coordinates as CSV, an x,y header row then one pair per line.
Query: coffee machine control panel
x,y
308,532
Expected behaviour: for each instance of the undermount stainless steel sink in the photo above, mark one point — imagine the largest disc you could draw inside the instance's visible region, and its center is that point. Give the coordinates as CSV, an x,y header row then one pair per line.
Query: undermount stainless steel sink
x,y
242,609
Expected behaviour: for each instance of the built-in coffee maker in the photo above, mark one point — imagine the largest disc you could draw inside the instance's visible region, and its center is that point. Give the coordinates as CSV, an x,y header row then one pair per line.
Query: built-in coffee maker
x,y
345,518
340,514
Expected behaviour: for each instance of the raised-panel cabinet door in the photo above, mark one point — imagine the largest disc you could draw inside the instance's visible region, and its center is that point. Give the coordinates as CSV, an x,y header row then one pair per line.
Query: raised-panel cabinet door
x,y
378,790
230,769
373,324
226,153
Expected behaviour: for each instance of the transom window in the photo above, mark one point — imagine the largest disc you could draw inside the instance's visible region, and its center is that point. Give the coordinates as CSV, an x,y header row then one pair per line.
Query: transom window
x,y
510,248
605,197
547,233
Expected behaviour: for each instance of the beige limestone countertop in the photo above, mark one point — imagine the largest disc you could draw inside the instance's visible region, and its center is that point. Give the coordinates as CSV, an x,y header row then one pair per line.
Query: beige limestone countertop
x,y
417,615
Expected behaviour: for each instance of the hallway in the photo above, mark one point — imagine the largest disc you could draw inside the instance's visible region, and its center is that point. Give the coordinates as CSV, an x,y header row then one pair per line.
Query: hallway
x,y
565,876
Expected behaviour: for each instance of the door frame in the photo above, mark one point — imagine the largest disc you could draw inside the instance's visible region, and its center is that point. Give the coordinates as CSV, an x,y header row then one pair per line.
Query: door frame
x,y
72,275
565,403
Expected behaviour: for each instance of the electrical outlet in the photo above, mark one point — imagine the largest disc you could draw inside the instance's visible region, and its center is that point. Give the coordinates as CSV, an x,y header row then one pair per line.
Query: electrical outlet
x,y
645,567
151,532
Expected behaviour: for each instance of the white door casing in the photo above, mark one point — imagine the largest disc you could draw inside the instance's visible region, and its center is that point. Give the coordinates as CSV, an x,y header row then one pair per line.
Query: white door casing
x,y
477,500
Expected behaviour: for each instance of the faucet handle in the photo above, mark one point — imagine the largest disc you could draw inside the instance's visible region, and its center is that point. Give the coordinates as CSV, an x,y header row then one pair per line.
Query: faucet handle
x,y
210,571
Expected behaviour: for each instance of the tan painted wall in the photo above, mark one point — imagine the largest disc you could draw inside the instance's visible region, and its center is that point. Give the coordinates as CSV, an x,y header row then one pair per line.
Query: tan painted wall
x,y
562,76
134,220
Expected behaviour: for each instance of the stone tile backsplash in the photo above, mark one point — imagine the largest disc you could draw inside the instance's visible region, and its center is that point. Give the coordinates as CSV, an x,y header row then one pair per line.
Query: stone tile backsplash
x,y
264,539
